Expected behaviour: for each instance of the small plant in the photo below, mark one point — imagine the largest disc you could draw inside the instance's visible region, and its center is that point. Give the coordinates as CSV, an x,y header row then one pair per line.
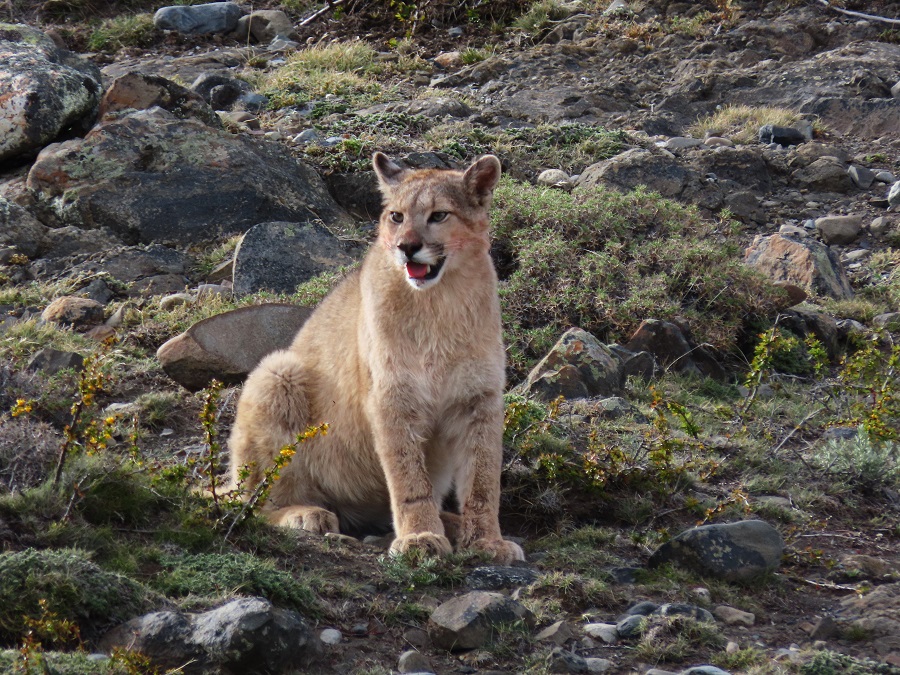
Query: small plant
x,y
741,123
861,461
122,31
540,16
413,570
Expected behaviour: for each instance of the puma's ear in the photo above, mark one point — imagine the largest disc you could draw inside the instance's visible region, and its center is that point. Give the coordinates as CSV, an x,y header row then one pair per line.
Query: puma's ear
x,y
389,173
481,178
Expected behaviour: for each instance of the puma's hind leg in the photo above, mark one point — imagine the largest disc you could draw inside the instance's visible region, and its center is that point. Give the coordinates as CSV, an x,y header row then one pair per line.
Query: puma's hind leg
x,y
272,410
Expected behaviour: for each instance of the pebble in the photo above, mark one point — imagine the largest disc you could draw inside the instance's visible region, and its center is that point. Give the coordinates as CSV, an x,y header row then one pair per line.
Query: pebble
x,y
602,631
330,636
885,177
597,665
732,616
718,142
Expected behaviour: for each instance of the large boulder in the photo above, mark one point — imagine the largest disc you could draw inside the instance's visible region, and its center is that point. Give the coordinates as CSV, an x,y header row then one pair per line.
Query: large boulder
x,y
578,366
139,91
738,551
472,620
227,346
43,90
806,263
246,635
150,176
658,172
279,256
212,17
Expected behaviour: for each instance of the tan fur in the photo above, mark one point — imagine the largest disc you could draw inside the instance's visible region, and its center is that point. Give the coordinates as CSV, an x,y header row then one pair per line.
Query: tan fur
x,y
408,373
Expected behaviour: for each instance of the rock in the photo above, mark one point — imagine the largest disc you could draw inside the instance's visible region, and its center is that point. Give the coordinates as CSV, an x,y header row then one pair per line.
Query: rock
x,y
606,632
731,616
213,17
264,25
331,636
62,242
795,294
880,226
51,361
278,256
562,661
889,320
357,193
745,206
804,322
861,176
635,167
673,349
885,177
840,230
45,90
598,665
412,661
737,551
246,635
139,91
826,174
704,670
877,612
229,345
469,621
449,60
677,143
717,142
148,270
895,90
552,177
176,300
496,577
894,194
79,313
825,628
631,626
149,176
220,91
20,229
770,133
578,366
558,633
808,264
684,609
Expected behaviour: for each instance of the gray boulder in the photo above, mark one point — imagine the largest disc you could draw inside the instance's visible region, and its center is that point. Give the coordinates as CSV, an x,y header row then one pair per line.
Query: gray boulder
x,y
20,229
894,194
471,620
227,346
247,635
806,263
840,230
213,17
578,366
152,177
824,174
738,551
79,313
278,256
629,169
51,361
264,25
45,90
496,577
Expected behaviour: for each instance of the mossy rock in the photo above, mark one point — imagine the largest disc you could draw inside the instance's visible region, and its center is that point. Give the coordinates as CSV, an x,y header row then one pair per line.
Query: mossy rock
x,y
74,588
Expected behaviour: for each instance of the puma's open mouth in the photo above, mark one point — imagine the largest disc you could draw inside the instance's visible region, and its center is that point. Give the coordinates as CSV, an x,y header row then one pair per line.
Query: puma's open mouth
x,y
423,272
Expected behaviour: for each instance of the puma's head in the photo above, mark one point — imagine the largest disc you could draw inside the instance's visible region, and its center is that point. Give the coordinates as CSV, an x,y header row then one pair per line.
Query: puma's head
x,y
434,220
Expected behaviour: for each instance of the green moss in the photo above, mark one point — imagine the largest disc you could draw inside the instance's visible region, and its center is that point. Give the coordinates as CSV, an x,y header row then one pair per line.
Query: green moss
x,y
75,589
215,574
832,663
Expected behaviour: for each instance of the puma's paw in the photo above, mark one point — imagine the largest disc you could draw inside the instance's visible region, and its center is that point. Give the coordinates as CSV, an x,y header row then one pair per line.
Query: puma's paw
x,y
425,543
502,551
311,518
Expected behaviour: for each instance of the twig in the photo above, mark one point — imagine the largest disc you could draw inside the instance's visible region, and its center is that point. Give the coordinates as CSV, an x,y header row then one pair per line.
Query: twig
x,y
828,534
860,15
828,586
315,15
795,430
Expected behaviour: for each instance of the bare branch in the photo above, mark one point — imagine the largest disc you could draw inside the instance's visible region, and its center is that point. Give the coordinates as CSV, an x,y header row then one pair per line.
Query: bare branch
x,y
860,15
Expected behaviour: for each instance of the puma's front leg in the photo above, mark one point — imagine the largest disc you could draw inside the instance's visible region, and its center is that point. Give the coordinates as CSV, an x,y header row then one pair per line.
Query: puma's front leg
x,y
478,483
399,429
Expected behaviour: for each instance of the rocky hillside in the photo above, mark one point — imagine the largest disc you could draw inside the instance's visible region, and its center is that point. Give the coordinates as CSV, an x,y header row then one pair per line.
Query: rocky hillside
x,y
698,239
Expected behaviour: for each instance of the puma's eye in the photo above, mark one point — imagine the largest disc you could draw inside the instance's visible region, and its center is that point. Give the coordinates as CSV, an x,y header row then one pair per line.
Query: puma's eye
x,y
396,216
438,217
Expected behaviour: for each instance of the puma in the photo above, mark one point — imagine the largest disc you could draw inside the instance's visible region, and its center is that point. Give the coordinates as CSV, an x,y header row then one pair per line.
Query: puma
x,y
405,361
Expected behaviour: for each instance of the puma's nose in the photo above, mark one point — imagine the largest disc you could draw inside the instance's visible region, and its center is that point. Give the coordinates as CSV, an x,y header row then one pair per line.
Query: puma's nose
x,y
410,248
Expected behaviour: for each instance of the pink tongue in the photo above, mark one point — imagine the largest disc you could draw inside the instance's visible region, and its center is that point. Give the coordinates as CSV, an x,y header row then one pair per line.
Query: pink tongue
x,y
416,270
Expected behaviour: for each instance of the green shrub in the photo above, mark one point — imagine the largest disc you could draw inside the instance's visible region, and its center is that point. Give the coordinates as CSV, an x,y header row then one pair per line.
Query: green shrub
x,y
218,574
122,31
831,663
861,461
605,261
75,589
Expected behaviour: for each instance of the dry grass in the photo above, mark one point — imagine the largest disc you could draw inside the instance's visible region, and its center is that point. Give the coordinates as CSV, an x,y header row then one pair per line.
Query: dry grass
x,y
741,123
